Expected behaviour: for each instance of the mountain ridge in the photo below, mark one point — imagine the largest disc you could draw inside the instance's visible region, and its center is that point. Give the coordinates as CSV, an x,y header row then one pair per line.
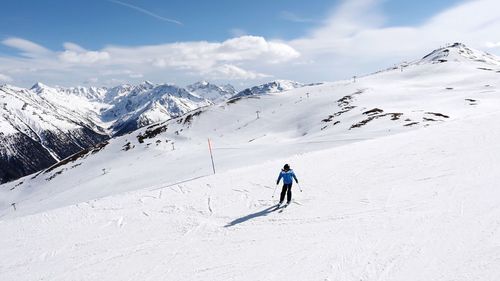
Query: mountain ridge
x,y
52,123
130,107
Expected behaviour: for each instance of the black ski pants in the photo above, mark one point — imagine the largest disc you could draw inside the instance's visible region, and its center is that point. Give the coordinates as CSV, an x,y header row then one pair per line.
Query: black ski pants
x,y
287,189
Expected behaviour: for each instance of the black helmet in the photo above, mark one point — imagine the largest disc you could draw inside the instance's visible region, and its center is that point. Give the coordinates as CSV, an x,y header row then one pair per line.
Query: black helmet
x,y
286,167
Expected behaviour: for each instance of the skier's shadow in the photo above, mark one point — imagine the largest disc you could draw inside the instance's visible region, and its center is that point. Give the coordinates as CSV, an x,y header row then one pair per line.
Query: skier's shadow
x,y
252,216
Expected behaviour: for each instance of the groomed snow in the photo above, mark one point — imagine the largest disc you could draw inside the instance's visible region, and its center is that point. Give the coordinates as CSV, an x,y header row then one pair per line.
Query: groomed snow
x,y
422,205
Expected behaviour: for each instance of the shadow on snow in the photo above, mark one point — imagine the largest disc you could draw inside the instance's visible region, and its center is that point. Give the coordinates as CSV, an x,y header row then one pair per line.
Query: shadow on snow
x,y
262,213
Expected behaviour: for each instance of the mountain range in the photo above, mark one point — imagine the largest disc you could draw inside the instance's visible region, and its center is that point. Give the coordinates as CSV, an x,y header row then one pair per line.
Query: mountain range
x,y
397,180
43,125
270,120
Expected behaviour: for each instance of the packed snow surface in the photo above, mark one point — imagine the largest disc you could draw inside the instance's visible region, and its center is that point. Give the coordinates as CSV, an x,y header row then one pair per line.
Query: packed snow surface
x,y
416,206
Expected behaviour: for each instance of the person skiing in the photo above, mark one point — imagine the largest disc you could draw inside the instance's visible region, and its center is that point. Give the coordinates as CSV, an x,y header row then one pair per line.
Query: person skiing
x,y
288,175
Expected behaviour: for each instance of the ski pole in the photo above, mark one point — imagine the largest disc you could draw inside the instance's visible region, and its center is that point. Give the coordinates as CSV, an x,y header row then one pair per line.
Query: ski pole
x,y
275,190
300,188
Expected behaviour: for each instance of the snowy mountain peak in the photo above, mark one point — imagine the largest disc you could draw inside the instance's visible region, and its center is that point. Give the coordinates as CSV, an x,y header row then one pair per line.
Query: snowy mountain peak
x,y
39,87
276,86
212,92
459,52
136,106
201,85
147,84
11,87
285,85
228,88
91,93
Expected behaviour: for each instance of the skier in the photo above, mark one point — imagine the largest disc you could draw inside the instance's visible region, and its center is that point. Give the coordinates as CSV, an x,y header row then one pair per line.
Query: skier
x,y
288,175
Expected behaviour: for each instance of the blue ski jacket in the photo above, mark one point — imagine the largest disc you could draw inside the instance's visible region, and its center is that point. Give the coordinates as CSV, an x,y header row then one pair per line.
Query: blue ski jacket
x,y
287,176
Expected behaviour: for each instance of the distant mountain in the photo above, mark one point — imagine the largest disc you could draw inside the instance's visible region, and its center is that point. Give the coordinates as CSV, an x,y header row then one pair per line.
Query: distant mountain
x,y
43,125
459,52
147,103
276,86
212,92
35,133
125,108
284,121
90,93
81,105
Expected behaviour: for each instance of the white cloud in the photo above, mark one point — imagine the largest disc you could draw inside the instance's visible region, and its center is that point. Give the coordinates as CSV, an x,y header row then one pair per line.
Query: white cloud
x,y
29,48
492,45
232,72
74,53
203,57
91,81
86,57
69,46
5,78
355,38
135,75
253,47
228,60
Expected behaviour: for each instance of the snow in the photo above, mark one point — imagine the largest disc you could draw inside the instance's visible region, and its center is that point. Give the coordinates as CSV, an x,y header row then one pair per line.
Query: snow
x,y
6,128
398,171
297,121
77,104
393,208
276,86
103,109
460,53
27,112
148,103
67,113
212,92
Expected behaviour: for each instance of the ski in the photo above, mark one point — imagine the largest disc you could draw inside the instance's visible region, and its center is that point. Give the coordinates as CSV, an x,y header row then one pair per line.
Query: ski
x,y
282,208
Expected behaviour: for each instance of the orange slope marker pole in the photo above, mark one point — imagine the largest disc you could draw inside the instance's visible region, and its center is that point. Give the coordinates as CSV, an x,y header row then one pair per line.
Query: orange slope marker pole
x,y
211,154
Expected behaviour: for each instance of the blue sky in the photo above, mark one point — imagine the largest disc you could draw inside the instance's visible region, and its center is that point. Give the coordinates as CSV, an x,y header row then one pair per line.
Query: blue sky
x,y
88,38
94,24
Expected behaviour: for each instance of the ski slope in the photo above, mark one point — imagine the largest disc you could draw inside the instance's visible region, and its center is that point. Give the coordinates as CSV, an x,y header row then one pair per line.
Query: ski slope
x,y
398,171
421,205
257,129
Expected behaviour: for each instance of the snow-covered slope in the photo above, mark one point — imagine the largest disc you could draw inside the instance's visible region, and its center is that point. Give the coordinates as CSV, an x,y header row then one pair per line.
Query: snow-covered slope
x,y
459,52
422,205
90,93
147,103
81,105
398,171
35,133
252,129
90,114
